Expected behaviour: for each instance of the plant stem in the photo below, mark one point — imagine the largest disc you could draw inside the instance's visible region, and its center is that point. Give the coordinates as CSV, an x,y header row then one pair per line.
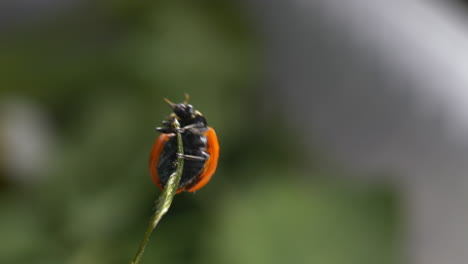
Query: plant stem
x,y
165,199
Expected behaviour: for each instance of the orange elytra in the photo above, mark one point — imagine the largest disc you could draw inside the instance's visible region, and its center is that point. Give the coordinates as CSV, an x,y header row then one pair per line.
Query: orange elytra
x,y
201,149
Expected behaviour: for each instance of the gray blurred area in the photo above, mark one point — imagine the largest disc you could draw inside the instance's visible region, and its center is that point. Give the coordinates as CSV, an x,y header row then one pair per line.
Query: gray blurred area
x,y
383,85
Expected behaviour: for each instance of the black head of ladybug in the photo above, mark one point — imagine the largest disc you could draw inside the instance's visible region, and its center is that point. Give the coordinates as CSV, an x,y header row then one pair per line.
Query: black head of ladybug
x,y
186,115
182,111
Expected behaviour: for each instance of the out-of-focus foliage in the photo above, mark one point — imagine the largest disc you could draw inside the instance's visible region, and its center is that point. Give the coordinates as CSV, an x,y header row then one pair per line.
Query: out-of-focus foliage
x,y
98,74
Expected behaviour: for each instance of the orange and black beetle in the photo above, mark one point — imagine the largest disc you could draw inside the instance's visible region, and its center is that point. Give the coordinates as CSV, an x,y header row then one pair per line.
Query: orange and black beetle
x,y
201,149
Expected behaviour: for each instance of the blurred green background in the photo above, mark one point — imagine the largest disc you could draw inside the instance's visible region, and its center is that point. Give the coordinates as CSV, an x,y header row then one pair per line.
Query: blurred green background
x,y
81,93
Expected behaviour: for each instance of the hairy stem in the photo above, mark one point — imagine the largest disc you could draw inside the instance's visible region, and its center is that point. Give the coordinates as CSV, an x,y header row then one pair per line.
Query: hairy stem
x,y
165,199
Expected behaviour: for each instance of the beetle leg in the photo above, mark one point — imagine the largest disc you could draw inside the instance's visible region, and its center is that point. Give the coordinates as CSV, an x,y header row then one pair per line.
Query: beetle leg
x,y
191,157
165,130
189,127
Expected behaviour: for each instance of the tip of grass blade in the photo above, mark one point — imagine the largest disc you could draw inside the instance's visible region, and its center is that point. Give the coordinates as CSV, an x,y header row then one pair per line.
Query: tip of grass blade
x,y
163,203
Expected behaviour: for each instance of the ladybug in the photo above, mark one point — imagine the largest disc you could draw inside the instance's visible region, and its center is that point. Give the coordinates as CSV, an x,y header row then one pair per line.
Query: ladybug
x,y
201,149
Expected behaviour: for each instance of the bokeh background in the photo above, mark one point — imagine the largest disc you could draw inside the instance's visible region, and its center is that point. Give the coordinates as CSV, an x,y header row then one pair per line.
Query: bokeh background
x,y
341,125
